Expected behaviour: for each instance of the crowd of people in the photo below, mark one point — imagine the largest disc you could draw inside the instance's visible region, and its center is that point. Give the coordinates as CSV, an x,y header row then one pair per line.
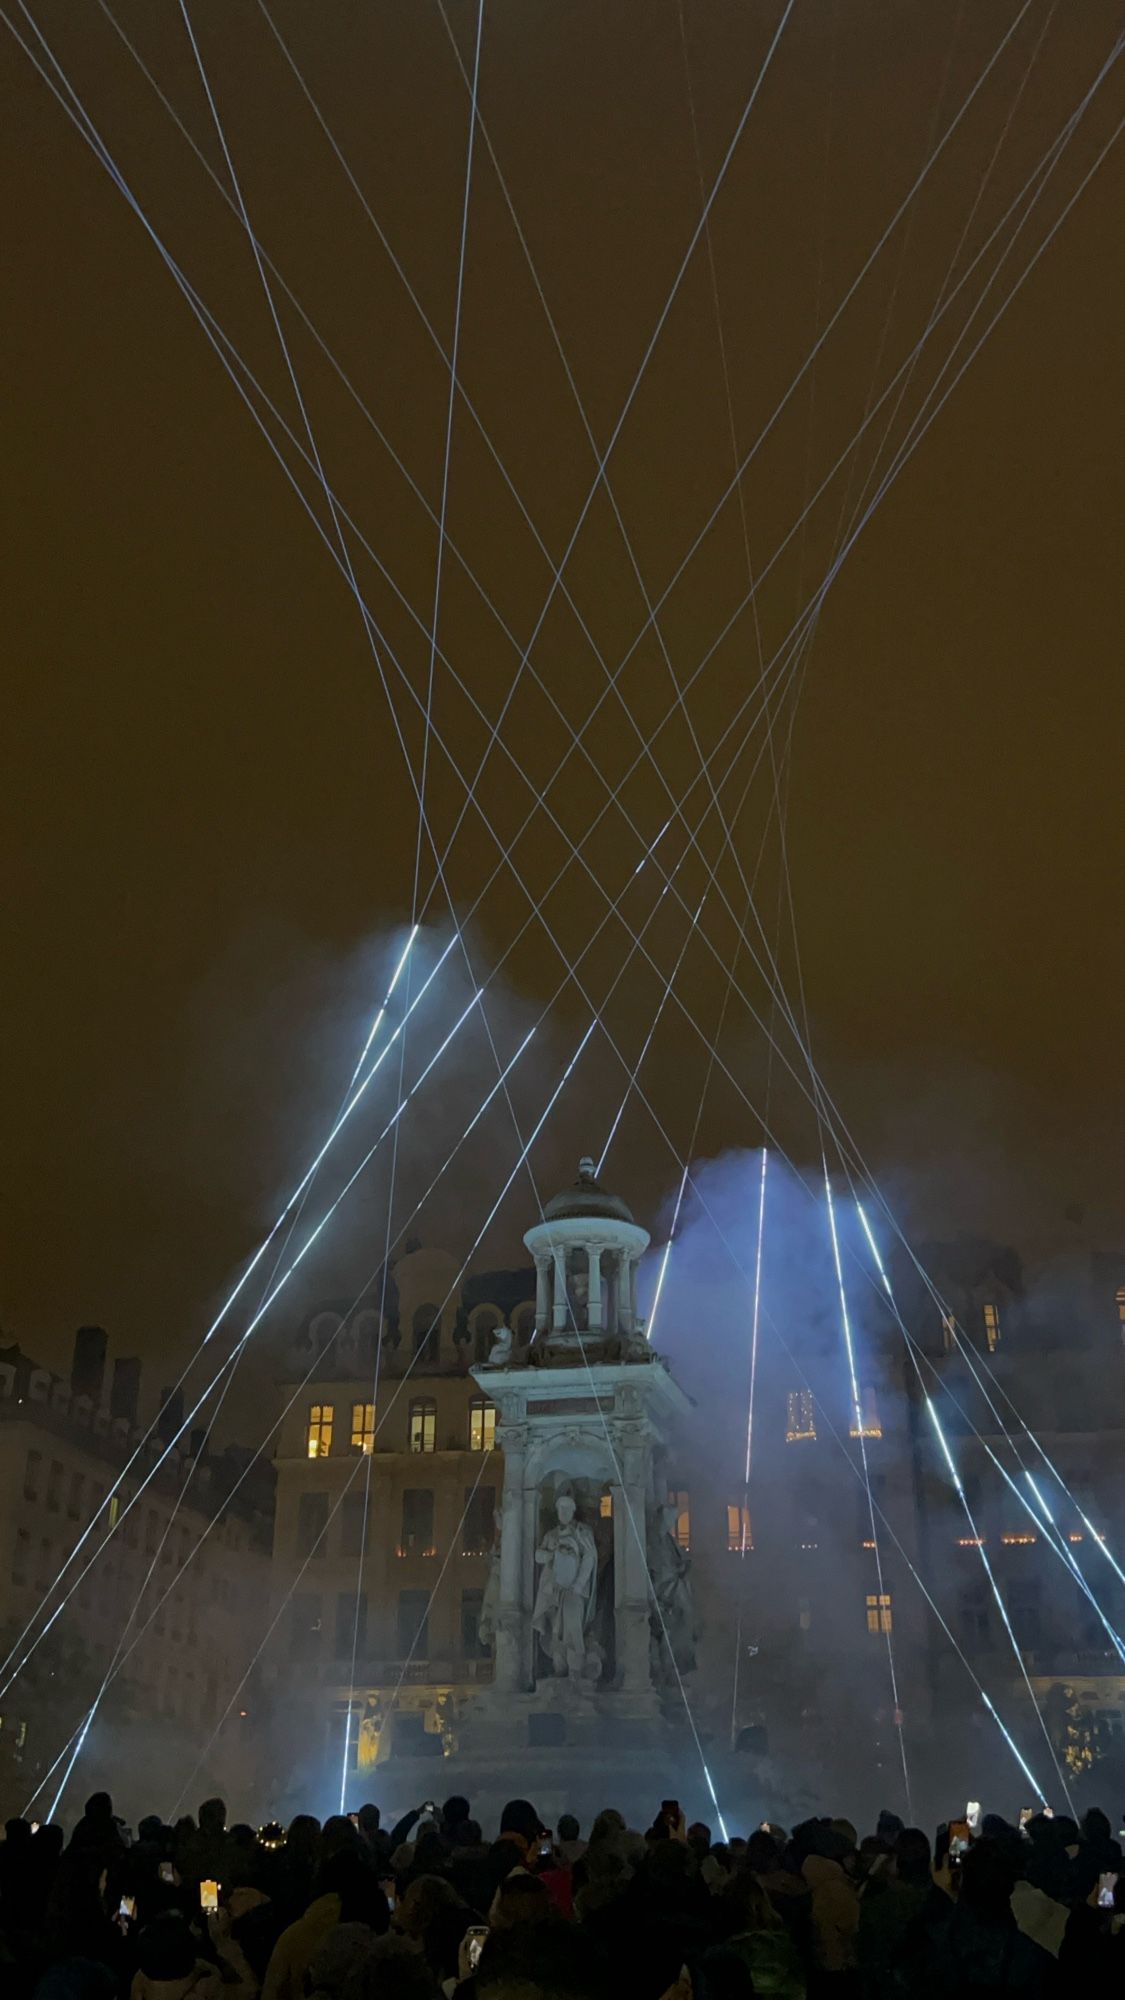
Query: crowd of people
x,y
432,1909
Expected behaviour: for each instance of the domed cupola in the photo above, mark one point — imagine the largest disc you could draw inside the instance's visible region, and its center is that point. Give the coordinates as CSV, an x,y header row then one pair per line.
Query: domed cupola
x,y
586,1252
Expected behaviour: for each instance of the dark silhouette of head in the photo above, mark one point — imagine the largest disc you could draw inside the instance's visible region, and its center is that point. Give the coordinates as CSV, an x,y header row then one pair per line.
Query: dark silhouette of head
x,y
988,1877
166,1948
520,1819
912,1857
212,1816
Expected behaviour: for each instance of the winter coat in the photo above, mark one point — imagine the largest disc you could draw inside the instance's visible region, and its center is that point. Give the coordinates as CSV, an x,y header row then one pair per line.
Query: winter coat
x,y
835,1913
296,1948
979,1960
774,1965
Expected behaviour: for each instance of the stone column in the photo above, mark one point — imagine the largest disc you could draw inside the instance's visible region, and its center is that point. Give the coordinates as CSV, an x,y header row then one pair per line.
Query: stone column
x,y
626,1278
632,1593
594,1313
542,1294
511,1614
559,1316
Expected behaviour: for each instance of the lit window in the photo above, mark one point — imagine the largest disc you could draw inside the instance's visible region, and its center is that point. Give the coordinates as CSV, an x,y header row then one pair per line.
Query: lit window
x,y
319,1435
868,1425
1121,1309
739,1537
800,1418
363,1428
948,1332
482,1424
992,1328
422,1425
682,1531
605,1506
879,1613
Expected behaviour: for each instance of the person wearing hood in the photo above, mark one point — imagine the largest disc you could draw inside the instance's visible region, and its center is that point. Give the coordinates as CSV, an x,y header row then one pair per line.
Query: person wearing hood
x,y
346,1889
980,1948
753,1929
892,1901
834,1910
170,1967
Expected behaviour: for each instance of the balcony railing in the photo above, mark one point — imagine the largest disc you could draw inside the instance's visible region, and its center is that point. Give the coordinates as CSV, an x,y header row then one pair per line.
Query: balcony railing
x,y
410,1673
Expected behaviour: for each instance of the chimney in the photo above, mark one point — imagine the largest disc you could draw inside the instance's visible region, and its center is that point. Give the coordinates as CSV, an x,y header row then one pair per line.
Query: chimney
x,y
171,1417
87,1370
125,1389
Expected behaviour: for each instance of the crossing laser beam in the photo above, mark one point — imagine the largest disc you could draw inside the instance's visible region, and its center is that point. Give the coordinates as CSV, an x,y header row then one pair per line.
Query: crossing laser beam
x,y
380,1016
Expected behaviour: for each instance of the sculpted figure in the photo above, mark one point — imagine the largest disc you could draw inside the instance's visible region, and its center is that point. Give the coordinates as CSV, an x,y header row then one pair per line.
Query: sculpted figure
x,y
567,1558
670,1566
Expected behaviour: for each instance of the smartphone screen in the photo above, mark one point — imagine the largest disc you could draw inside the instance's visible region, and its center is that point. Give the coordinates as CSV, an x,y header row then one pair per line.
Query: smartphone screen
x,y
1026,1813
167,1872
474,1944
1106,1887
209,1897
127,1908
959,1835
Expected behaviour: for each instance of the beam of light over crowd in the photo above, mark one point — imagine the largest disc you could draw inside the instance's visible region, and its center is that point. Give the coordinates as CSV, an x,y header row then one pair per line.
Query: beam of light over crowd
x,y
217,1377
1060,1541
1056,1542
845,1317
650,1326
978,1539
378,1021
224,1309
859,1431
294,1399
756,1316
1012,1745
982,1552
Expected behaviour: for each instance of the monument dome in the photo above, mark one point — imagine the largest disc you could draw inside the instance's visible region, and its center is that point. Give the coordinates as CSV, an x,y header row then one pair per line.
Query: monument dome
x,y
586,1197
586,1250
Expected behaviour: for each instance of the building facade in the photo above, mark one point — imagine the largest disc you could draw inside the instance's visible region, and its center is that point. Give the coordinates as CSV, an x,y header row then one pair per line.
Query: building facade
x,y
170,1583
845,1615
388,1482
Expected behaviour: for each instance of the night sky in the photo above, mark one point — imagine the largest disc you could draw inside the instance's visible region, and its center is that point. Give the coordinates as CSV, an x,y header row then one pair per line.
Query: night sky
x,y
210,832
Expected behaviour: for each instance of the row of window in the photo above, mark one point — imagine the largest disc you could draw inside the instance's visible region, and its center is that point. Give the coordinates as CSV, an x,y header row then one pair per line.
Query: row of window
x,y
349,1625
416,1531
59,1494
412,1615
991,1318
85,1499
800,1416
421,1426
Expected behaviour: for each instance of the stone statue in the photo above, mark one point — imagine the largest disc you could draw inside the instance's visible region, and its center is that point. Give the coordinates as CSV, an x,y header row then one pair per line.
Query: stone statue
x,y
490,1603
673,1617
564,1602
500,1353
370,1733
